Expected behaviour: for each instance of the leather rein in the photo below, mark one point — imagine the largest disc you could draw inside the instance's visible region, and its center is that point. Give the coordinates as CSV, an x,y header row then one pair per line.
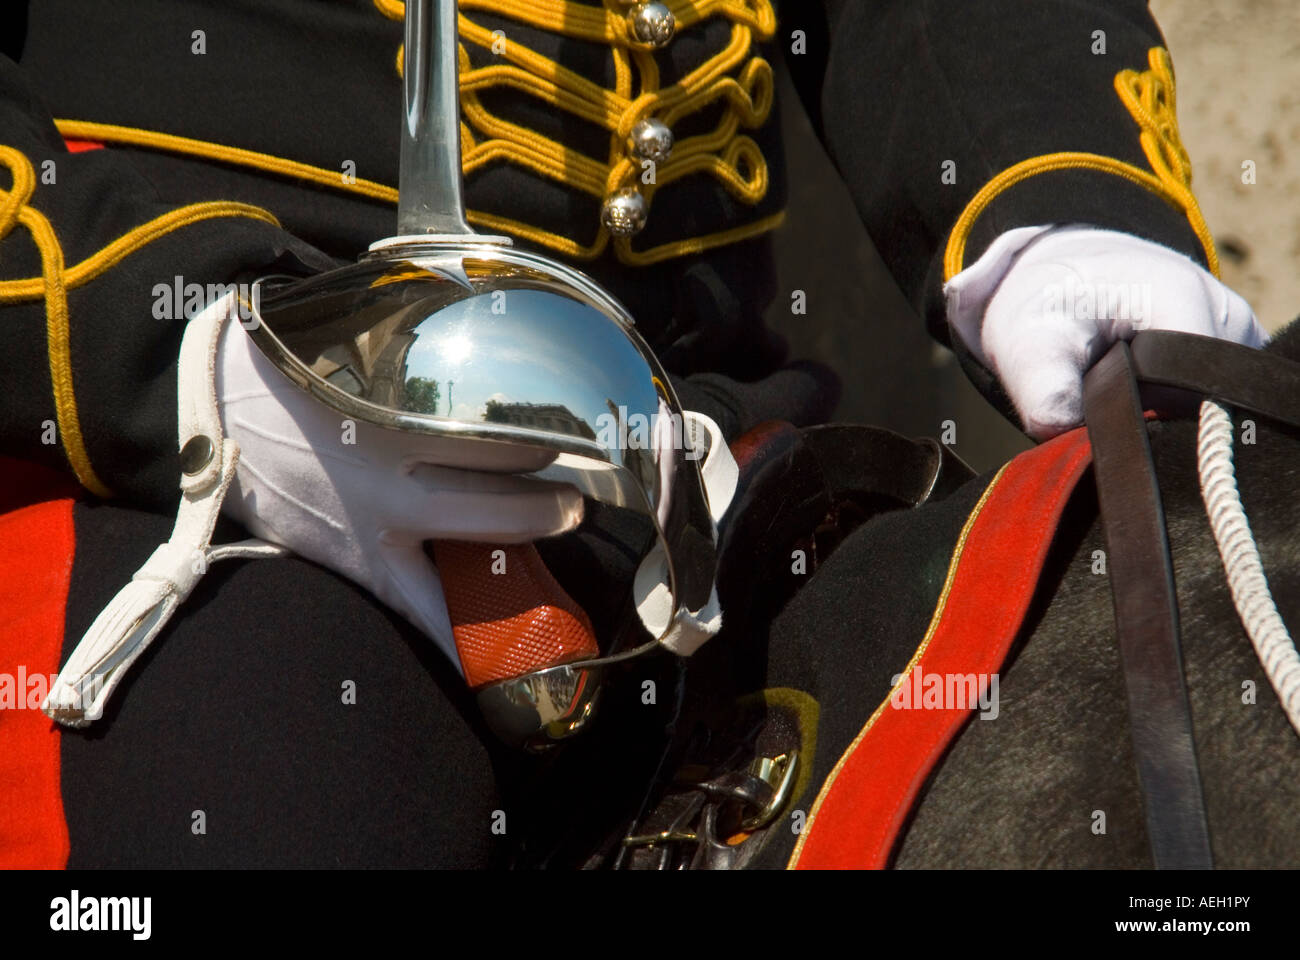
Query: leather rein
x,y
1139,562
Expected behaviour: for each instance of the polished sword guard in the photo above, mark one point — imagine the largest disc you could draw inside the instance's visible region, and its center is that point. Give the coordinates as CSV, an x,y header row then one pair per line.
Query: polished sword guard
x,y
519,363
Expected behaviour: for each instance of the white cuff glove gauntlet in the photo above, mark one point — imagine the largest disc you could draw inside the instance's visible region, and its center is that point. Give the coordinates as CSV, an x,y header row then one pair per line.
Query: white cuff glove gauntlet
x,y
1044,303
361,500
353,497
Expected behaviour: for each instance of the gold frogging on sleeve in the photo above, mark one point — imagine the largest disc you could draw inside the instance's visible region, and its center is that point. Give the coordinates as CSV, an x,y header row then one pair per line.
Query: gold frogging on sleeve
x,y
57,279
1150,100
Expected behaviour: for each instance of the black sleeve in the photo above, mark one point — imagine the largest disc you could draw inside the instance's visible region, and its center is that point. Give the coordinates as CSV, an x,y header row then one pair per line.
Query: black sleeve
x,y
77,315
14,32
911,88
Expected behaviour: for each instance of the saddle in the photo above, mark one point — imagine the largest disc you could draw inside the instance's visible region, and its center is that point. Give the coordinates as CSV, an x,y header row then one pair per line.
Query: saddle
x,y
725,775
699,780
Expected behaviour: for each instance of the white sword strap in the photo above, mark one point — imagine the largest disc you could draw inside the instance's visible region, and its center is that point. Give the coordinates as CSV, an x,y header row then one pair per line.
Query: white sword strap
x,y
125,628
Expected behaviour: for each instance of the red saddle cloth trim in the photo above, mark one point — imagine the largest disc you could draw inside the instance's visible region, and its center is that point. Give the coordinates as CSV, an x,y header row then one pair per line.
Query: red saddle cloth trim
x,y
36,550
994,573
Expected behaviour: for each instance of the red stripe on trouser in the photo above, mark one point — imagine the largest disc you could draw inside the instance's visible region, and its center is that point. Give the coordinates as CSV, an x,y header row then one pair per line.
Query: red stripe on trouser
x,y
863,811
36,549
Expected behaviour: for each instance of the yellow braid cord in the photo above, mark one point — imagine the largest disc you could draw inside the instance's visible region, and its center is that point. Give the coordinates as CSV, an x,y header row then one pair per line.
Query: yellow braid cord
x,y
583,22
1149,98
721,154
111,133
55,281
14,210
681,248
724,154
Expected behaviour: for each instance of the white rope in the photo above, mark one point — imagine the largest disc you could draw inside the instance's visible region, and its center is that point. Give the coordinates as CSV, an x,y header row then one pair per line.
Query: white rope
x,y
1241,560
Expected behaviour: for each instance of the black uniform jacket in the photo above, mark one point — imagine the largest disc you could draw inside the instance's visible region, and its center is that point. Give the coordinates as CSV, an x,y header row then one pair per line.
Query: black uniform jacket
x,y
154,140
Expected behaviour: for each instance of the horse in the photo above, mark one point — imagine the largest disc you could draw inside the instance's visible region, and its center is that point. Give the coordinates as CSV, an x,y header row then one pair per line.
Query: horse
x,y
1046,779
1013,792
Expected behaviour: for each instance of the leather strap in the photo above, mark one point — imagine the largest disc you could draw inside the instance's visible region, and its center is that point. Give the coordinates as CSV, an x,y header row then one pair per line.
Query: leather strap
x,y
1264,383
142,608
1146,614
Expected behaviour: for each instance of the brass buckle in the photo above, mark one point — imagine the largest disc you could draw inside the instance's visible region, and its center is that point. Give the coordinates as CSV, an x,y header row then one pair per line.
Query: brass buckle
x,y
663,836
778,773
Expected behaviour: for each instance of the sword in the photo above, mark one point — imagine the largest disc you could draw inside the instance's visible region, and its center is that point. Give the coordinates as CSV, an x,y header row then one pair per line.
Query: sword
x,y
566,349
427,307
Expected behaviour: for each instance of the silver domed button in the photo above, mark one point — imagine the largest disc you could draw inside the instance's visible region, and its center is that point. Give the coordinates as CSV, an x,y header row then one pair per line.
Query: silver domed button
x,y
652,23
652,140
624,213
195,455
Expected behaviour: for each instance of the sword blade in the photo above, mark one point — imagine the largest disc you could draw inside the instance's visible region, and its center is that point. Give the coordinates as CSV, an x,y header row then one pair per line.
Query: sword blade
x,y
429,182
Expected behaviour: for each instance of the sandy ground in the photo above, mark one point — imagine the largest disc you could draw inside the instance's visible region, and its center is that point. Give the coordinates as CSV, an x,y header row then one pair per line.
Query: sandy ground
x,y
1238,78
1238,72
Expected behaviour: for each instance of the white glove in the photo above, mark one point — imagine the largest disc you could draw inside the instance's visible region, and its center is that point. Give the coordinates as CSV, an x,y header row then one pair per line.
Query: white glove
x,y
364,508
1045,303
